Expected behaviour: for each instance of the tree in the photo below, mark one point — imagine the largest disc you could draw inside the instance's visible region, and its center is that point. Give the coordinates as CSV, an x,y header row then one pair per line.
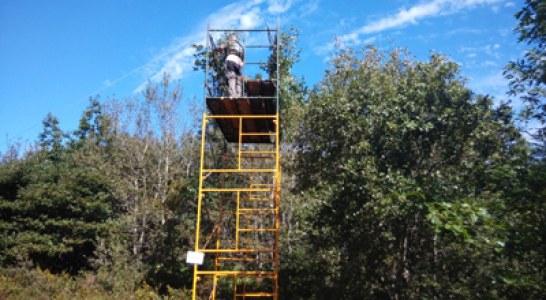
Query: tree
x,y
52,137
54,207
528,75
395,160
94,125
151,162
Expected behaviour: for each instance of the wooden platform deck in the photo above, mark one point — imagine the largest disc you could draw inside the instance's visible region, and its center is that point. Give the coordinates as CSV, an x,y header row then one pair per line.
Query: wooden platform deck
x,y
244,106
259,100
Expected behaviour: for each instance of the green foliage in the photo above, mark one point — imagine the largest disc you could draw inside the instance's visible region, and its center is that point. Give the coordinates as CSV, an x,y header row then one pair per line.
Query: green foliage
x,y
528,75
398,182
41,284
54,212
95,126
114,199
216,79
293,92
399,159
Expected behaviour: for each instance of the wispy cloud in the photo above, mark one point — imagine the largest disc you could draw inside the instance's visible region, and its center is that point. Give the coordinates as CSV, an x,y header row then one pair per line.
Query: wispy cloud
x,y
177,59
491,50
493,83
278,6
412,15
309,7
464,31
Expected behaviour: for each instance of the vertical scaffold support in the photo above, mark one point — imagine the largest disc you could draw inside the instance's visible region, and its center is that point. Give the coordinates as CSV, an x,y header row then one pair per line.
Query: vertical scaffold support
x,y
238,201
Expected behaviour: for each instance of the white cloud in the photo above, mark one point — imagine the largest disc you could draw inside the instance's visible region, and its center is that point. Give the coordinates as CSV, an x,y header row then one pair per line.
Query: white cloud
x,y
493,83
308,8
107,83
177,59
401,18
464,31
490,63
489,50
251,19
278,6
509,4
412,15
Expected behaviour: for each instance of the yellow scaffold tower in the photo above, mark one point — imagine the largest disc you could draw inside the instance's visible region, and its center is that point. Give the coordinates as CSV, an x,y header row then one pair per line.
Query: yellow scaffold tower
x,y
237,228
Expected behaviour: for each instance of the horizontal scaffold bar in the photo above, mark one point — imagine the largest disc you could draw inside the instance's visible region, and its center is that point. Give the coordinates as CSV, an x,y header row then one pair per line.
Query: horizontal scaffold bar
x,y
257,209
256,295
257,46
260,214
246,259
238,170
258,133
240,116
257,199
234,190
242,273
257,152
242,30
252,211
240,98
236,250
257,229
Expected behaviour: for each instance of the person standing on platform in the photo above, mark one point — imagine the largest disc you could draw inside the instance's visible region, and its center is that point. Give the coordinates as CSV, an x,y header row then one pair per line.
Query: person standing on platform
x,y
233,65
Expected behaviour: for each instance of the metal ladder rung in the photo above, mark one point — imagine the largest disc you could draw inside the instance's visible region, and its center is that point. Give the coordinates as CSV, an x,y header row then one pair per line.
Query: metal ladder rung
x,y
245,274
257,199
258,133
237,171
256,209
256,295
257,152
246,259
236,250
210,190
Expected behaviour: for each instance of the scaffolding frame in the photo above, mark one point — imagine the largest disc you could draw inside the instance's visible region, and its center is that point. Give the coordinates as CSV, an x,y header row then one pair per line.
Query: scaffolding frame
x,y
274,46
238,205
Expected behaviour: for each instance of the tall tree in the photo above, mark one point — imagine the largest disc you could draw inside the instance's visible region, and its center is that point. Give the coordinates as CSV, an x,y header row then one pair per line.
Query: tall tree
x,y
151,164
51,138
55,208
528,75
395,160
94,125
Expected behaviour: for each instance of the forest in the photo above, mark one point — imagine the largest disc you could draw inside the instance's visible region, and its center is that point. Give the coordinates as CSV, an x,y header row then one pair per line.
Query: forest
x,y
399,182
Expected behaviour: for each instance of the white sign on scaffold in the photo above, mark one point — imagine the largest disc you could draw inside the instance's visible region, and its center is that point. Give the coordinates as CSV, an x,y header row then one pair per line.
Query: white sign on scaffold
x,y
195,258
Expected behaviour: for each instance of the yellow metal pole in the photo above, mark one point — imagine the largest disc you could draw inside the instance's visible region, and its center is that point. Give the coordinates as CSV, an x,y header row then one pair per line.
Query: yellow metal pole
x,y
216,261
214,282
194,285
240,143
277,207
199,202
242,116
237,221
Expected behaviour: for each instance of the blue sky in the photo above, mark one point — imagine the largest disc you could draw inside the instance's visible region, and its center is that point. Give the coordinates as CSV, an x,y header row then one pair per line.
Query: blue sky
x,y
56,54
